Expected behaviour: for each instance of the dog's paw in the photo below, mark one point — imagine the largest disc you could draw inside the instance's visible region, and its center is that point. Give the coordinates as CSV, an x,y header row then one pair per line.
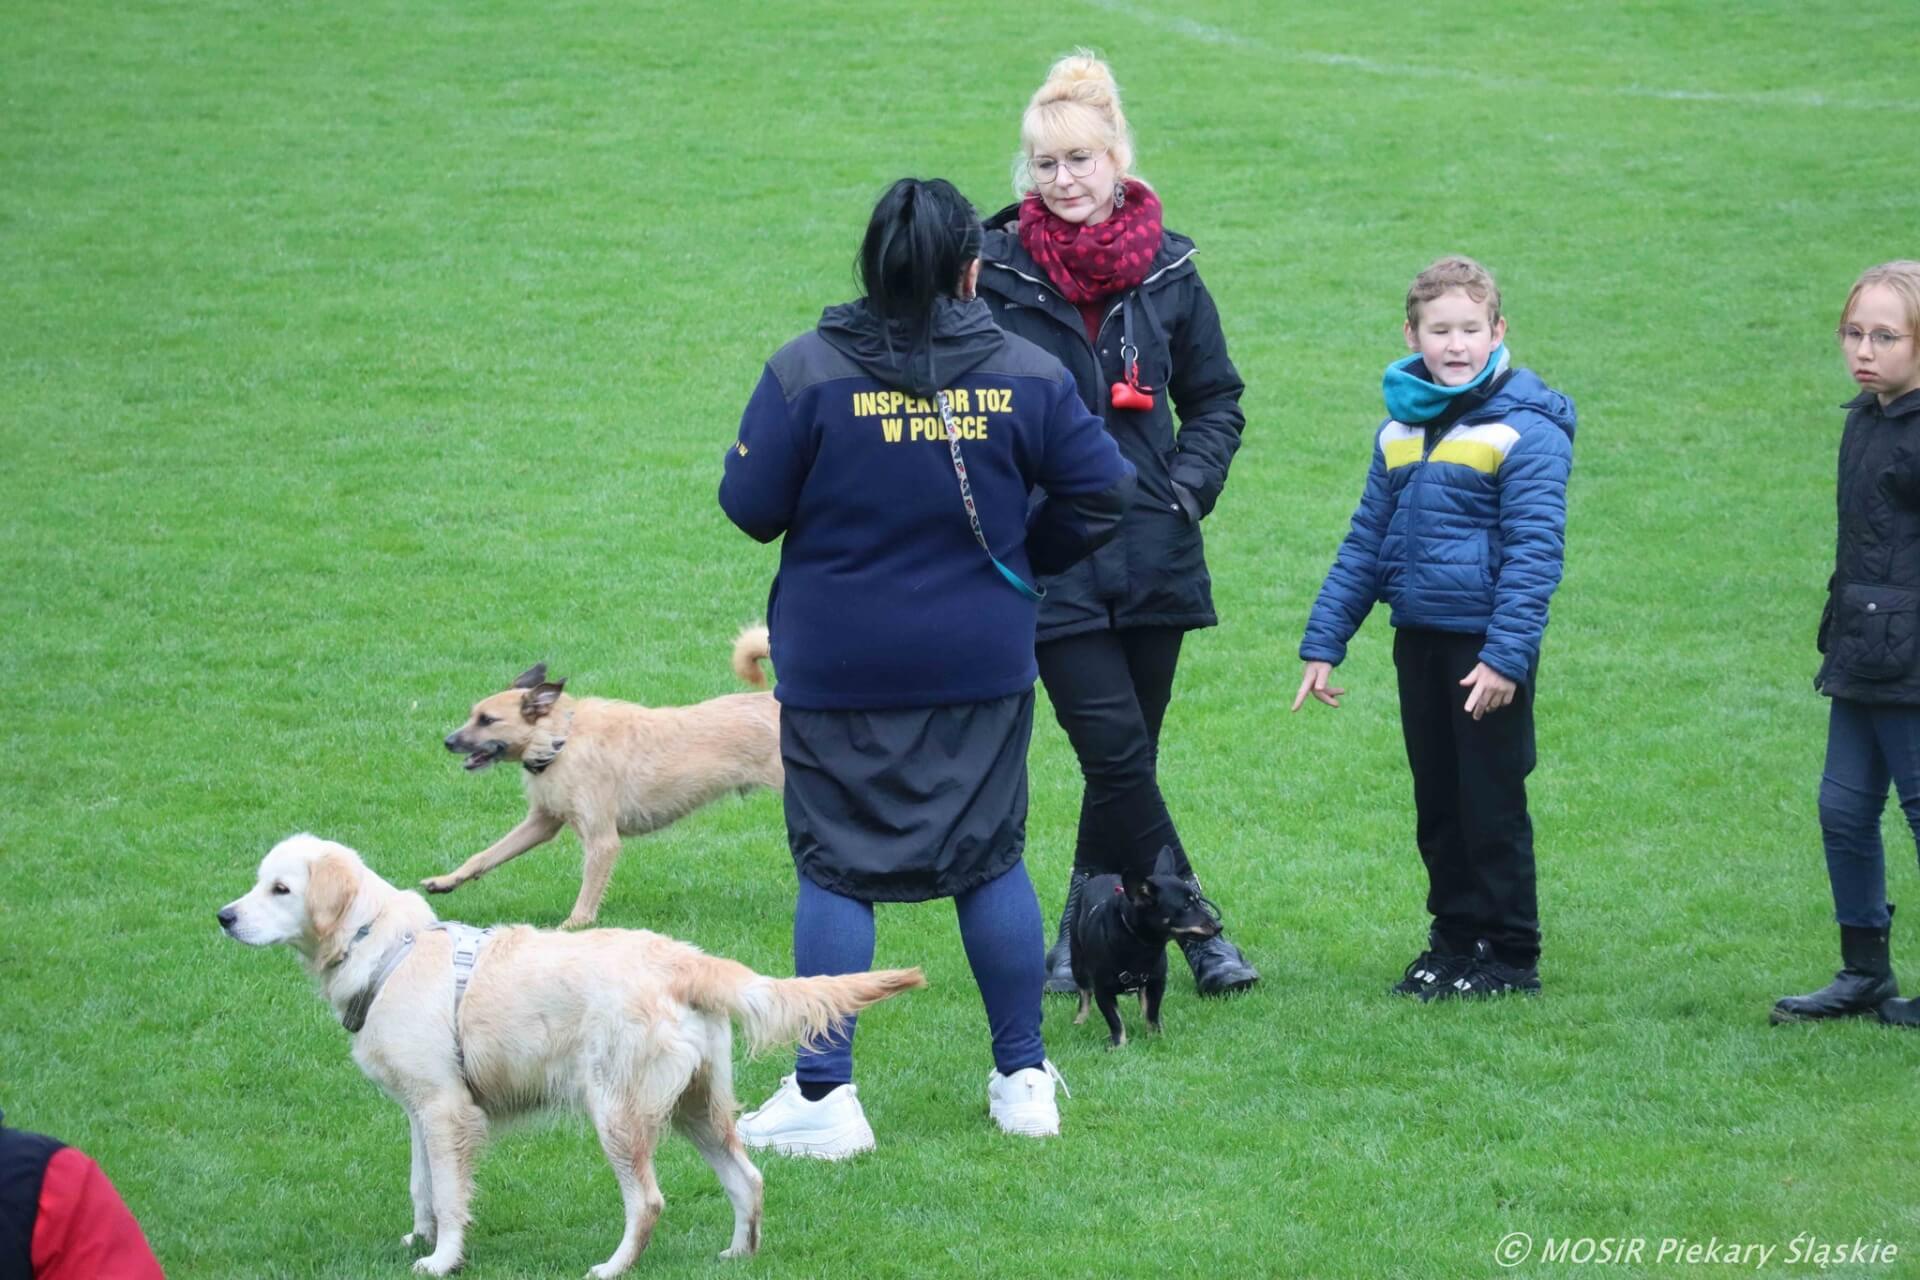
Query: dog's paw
x,y
440,884
418,1238
577,922
433,1265
605,1271
742,1252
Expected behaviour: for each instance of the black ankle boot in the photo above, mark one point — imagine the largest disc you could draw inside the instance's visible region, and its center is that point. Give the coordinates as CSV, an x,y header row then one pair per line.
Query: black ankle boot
x,y
1900,1013
1060,954
1218,966
1864,983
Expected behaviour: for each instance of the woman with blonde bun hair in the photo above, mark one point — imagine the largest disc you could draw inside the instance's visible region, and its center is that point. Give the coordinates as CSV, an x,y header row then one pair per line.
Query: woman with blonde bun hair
x,y
1083,266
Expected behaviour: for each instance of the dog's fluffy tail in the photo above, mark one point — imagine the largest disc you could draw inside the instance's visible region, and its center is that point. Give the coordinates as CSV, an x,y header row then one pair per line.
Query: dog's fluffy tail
x,y
775,1011
750,649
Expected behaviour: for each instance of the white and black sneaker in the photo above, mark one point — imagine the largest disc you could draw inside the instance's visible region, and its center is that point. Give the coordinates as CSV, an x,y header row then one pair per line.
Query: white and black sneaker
x,y
1431,968
1023,1104
831,1129
1486,976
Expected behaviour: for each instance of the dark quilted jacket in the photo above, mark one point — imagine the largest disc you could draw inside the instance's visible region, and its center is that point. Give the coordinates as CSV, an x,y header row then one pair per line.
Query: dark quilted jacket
x,y
1154,574
1870,632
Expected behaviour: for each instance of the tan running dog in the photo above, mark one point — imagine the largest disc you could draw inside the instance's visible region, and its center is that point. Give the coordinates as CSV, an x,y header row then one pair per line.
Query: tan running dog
x,y
631,1027
610,769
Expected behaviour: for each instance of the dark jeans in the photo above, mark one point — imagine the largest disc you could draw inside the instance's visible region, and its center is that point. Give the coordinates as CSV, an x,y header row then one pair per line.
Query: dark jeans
x,y
1470,795
1868,747
1109,691
1001,930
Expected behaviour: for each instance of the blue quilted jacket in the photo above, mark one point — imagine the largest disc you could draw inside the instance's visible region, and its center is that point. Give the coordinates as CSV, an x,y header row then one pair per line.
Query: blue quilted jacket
x,y
1459,529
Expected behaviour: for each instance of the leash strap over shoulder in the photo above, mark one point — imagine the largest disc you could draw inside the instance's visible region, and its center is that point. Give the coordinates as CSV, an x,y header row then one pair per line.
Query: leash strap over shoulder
x,y
973,514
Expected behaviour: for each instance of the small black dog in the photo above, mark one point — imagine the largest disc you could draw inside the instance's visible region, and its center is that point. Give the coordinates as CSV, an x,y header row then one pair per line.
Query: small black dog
x,y
1119,939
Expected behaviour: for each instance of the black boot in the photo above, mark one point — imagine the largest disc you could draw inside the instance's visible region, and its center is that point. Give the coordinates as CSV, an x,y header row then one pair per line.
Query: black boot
x,y
1901,1013
1864,983
1060,954
1218,967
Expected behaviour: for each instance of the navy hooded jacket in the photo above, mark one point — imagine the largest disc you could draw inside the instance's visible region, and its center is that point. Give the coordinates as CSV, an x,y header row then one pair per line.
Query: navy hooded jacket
x,y
884,597
1461,529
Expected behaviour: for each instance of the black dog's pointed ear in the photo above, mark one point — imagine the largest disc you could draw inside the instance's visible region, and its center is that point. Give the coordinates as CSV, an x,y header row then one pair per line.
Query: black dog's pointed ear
x,y
1140,890
539,700
531,677
1163,862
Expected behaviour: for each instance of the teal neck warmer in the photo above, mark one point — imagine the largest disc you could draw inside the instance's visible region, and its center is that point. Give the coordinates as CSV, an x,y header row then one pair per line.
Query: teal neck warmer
x,y
1412,399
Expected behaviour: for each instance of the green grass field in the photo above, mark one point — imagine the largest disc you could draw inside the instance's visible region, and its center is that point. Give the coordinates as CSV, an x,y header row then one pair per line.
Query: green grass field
x,y
352,358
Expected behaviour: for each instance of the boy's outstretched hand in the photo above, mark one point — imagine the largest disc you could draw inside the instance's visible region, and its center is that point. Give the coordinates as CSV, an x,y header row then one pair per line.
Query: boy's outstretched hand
x,y
1314,681
1490,690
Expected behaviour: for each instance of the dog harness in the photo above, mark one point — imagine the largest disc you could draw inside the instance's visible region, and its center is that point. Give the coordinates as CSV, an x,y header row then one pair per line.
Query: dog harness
x,y
467,942
1127,978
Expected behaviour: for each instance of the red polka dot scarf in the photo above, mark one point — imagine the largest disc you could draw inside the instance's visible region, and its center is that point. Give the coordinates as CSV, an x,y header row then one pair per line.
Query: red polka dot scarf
x,y
1087,263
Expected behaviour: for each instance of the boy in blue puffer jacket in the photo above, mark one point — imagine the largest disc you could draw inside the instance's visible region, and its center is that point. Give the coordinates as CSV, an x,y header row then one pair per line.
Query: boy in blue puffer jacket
x,y
1461,530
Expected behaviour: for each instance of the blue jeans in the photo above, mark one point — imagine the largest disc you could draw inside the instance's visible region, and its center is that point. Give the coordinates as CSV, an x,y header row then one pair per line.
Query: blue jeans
x,y
1001,931
1868,747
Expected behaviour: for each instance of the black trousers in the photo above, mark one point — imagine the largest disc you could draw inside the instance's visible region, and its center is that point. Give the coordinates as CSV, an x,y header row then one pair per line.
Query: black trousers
x,y
1109,691
1470,795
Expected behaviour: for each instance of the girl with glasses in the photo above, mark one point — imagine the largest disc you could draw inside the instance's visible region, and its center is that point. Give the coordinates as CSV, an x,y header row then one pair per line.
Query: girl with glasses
x,y
1870,636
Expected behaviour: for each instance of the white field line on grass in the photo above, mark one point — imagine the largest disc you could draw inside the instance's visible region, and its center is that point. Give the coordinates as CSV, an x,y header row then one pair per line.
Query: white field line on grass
x,y
1372,66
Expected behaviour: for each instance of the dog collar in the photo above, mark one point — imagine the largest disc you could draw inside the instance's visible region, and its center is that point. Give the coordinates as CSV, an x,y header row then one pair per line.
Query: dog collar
x,y
540,764
354,1016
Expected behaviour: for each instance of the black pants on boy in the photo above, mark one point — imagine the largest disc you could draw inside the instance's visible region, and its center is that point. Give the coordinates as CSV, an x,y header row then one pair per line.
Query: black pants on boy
x,y
1109,691
1470,794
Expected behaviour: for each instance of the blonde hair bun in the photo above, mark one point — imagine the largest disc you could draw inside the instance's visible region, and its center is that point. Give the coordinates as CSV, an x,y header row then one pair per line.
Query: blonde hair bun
x,y
1080,77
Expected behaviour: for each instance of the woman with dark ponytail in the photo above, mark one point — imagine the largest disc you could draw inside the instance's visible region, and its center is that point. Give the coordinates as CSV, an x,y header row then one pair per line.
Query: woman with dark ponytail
x,y
892,449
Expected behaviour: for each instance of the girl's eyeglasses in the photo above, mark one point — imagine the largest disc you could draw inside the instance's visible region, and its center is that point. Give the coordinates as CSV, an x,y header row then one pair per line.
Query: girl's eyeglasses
x,y
1882,339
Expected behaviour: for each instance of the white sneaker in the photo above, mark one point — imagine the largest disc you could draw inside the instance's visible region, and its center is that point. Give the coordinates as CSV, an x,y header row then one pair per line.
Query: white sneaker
x,y
831,1129
1023,1102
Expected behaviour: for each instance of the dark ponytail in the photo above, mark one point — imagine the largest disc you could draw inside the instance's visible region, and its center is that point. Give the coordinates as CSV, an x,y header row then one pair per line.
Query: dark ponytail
x,y
922,233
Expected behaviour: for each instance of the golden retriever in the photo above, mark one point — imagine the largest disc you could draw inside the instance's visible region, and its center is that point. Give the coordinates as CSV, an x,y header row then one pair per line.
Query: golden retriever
x,y
610,769
629,1026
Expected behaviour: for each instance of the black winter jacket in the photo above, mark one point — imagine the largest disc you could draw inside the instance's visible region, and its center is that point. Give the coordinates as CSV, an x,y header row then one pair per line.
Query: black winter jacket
x,y
1154,574
1870,632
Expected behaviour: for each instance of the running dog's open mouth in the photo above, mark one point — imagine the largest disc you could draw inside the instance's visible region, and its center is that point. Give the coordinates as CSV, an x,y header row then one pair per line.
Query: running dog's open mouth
x,y
478,760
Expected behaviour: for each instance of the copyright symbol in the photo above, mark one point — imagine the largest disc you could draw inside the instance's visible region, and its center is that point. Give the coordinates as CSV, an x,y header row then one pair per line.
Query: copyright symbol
x,y
1513,1248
